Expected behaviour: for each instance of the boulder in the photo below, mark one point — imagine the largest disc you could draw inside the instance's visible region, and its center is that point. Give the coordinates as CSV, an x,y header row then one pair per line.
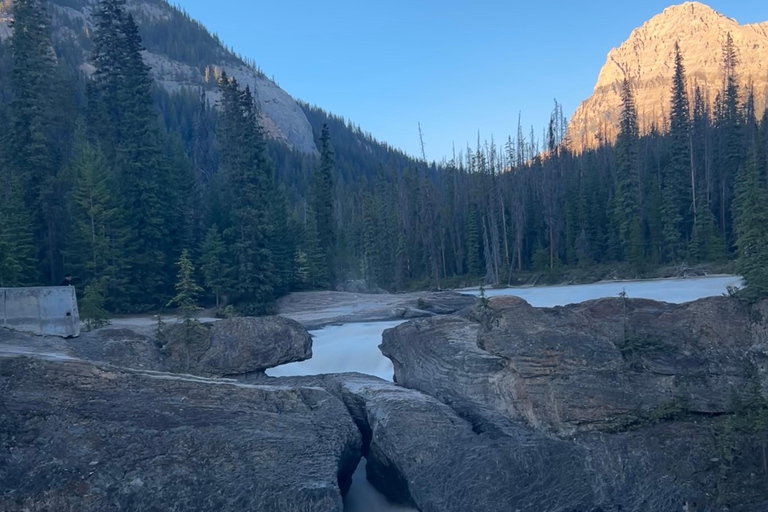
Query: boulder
x,y
584,366
237,346
78,437
444,303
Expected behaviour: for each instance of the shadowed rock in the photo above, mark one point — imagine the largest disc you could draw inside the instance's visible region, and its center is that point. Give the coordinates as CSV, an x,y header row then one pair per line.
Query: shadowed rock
x,y
583,366
79,437
641,393
237,346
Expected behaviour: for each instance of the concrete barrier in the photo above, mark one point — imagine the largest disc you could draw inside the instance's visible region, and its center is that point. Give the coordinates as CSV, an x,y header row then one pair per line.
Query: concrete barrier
x,y
45,311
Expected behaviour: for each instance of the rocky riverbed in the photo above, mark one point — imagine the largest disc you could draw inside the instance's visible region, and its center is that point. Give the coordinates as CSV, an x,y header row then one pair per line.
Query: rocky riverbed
x,y
613,404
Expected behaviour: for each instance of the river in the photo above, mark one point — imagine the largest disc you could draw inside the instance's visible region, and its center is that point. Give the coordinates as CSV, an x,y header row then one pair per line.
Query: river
x,y
355,347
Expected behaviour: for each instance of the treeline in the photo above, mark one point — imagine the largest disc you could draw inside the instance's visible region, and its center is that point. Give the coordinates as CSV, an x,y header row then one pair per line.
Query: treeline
x,y
696,193
110,178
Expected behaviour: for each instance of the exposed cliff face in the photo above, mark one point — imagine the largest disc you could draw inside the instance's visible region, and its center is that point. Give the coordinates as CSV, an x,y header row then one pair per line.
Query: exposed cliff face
x,y
647,59
281,117
642,393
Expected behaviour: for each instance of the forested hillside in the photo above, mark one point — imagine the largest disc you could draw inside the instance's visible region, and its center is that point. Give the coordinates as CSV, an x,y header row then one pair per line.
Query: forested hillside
x,y
109,177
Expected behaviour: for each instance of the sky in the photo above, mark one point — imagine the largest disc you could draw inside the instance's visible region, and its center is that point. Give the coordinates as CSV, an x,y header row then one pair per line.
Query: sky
x,y
458,68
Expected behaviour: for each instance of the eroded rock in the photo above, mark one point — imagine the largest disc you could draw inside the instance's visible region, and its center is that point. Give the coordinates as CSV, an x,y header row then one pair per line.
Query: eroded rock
x,y
76,436
582,366
237,346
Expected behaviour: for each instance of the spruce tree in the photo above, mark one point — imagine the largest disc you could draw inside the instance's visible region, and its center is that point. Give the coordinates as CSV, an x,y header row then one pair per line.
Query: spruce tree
x,y
31,158
317,271
322,194
677,208
250,189
751,218
213,263
185,300
96,234
627,199
473,244
130,132
92,307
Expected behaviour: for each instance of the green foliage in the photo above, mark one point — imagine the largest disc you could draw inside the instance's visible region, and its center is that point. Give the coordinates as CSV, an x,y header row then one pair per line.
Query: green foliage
x,y
322,195
92,310
214,267
740,448
751,211
248,174
627,201
118,198
676,176
187,291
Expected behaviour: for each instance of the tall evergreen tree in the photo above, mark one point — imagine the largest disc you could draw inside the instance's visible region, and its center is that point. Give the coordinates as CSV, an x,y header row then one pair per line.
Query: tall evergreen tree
x,y
324,204
130,132
32,162
677,207
96,233
213,264
751,218
249,176
627,201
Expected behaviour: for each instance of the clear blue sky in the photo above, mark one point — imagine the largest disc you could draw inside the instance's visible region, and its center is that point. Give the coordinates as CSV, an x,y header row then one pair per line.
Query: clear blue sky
x,y
458,67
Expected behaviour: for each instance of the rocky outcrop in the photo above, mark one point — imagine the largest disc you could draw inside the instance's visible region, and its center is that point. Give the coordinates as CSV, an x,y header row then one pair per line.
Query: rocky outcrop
x,y
281,117
422,454
237,346
584,366
315,310
79,437
647,60
226,348
645,394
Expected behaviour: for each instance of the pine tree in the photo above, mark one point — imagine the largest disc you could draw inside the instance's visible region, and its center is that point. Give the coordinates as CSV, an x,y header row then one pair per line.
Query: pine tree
x,y
129,131
316,261
187,291
250,188
32,160
216,272
95,234
677,208
370,243
324,204
751,218
92,310
473,244
627,202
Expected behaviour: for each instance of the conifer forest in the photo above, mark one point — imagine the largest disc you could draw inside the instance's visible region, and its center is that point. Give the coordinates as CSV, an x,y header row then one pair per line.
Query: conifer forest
x,y
108,177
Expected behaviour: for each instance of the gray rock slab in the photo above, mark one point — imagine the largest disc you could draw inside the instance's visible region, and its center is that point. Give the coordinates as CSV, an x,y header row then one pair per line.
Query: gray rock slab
x,y
77,436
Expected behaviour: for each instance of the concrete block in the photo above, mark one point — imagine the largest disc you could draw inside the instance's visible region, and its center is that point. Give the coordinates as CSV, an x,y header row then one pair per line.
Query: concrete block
x,y
45,311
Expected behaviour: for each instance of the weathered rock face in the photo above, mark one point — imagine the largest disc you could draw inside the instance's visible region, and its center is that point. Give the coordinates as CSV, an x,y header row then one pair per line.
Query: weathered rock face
x,y
238,346
421,453
647,60
583,366
641,392
318,309
281,116
78,437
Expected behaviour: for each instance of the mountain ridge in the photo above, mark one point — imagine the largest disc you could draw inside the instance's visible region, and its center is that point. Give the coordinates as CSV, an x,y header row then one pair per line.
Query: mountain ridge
x,y
647,59
282,117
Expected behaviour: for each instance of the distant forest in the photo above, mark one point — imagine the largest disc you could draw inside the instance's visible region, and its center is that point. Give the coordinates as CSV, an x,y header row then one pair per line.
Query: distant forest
x,y
111,178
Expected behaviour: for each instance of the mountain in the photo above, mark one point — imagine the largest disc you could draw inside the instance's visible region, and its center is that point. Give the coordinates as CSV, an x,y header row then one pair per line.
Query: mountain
x,y
647,59
182,54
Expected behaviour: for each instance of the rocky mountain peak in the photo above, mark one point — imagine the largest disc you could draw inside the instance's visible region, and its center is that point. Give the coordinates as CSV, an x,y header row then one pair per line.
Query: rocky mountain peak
x,y
647,59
